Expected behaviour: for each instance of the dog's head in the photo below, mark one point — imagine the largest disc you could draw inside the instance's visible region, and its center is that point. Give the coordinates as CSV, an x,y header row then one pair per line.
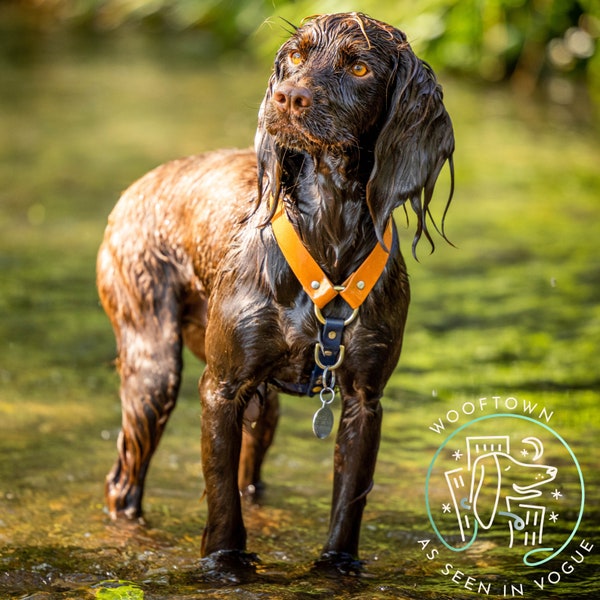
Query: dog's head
x,y
350,85
489,472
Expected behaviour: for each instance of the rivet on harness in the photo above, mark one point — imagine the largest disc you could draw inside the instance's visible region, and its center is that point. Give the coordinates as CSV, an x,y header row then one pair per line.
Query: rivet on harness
x,y
329,350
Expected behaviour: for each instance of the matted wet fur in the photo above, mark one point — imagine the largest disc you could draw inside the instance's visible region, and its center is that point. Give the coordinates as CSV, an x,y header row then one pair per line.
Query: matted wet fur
x,y
352,126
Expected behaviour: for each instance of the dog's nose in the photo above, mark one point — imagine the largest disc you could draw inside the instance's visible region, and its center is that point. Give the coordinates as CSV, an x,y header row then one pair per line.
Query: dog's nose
x,y
291,98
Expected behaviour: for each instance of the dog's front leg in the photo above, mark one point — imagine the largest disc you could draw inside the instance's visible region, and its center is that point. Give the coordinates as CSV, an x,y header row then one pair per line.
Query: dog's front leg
x,y
221,443
355,456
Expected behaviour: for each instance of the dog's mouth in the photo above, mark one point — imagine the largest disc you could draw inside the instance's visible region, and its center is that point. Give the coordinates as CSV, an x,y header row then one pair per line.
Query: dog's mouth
x,y
293,137
309,132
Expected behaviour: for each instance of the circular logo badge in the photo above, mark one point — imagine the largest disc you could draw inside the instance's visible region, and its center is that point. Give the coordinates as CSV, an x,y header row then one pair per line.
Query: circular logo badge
x,y
509,482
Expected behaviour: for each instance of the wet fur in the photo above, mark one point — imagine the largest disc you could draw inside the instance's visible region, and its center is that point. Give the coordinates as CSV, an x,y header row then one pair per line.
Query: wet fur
x,y
188,257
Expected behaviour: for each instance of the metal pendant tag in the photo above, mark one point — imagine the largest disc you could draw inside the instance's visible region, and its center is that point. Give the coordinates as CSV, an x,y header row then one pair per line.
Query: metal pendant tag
x,y
323,422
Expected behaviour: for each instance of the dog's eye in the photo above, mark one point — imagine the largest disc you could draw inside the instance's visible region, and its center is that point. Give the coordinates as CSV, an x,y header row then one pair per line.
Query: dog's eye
x,y
296,57
359,69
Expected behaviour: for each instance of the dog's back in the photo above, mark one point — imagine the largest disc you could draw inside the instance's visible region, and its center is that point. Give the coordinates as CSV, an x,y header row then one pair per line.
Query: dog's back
x,y
170,229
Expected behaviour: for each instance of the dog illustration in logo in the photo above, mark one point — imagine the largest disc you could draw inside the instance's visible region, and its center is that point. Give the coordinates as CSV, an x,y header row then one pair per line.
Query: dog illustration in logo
x,y
495,484
498,477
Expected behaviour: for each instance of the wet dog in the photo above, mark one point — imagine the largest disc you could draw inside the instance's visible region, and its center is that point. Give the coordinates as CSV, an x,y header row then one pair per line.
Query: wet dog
x,y
352,126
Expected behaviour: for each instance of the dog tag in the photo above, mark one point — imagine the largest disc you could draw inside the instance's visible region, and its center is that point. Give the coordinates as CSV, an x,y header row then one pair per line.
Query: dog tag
x,y
323,422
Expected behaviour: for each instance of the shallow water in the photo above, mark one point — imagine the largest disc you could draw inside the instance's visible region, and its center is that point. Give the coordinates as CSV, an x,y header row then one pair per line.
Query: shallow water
x,y
511,316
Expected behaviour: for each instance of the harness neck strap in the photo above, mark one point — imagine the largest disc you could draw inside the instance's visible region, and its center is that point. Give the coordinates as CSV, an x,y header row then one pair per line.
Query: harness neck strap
x,y
312,278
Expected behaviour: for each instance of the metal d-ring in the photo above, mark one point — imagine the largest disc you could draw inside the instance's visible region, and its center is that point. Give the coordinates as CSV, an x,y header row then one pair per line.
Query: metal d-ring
x,y
321,318
339,361
327,396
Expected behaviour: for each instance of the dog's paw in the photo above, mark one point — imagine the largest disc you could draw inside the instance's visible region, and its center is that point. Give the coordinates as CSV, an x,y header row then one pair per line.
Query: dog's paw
x,y
128,520
339,563
230,566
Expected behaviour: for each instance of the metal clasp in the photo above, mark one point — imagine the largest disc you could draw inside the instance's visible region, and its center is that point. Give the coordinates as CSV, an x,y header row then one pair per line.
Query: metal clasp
x,y
321,318
319,348
327,394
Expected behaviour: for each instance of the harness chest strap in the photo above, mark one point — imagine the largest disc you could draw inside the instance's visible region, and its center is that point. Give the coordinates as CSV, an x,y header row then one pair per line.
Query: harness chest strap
x,y
312,278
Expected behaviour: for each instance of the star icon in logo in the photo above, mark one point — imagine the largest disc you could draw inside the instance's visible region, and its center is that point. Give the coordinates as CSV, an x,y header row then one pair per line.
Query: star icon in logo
x,y
553,517
446,508
556,494
457,455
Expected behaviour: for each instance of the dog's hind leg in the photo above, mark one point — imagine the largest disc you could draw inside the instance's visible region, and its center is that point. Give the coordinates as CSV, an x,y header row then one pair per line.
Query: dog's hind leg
x,y
150,368
147,325
260,422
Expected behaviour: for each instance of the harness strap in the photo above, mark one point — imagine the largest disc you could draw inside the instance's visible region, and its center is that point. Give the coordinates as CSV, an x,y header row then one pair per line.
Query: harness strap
x,y
312,278
329,351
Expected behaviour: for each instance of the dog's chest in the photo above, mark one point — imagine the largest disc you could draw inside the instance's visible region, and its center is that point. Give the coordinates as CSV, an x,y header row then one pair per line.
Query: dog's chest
x,y
299,340
301,365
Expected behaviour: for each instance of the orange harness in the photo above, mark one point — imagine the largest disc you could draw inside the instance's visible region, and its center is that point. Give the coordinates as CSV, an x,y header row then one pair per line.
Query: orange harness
x,y
329,350
312,278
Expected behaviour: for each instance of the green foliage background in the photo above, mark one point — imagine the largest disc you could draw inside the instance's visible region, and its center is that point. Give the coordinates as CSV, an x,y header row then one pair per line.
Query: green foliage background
x,y
526,41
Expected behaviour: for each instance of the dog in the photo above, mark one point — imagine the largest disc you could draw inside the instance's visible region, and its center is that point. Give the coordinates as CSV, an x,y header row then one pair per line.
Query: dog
x,y
352,126
496,476
499,487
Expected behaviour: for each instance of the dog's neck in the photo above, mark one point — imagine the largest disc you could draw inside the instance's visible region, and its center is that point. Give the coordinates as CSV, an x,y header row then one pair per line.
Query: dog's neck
x,y
328,208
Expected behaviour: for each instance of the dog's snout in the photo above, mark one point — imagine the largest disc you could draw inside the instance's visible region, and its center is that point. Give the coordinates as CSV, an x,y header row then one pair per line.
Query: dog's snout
x,y
292,99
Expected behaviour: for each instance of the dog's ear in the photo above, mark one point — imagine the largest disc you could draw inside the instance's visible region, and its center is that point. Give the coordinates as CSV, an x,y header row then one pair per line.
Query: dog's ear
x,y
485,489
267,155
264,146
415,141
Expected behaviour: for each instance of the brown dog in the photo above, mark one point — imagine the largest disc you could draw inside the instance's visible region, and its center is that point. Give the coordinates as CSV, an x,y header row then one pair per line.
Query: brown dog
x,y
351,127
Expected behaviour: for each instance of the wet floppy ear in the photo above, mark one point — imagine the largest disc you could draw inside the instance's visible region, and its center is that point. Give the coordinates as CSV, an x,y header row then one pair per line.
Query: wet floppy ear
x,y
414,143
268,162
